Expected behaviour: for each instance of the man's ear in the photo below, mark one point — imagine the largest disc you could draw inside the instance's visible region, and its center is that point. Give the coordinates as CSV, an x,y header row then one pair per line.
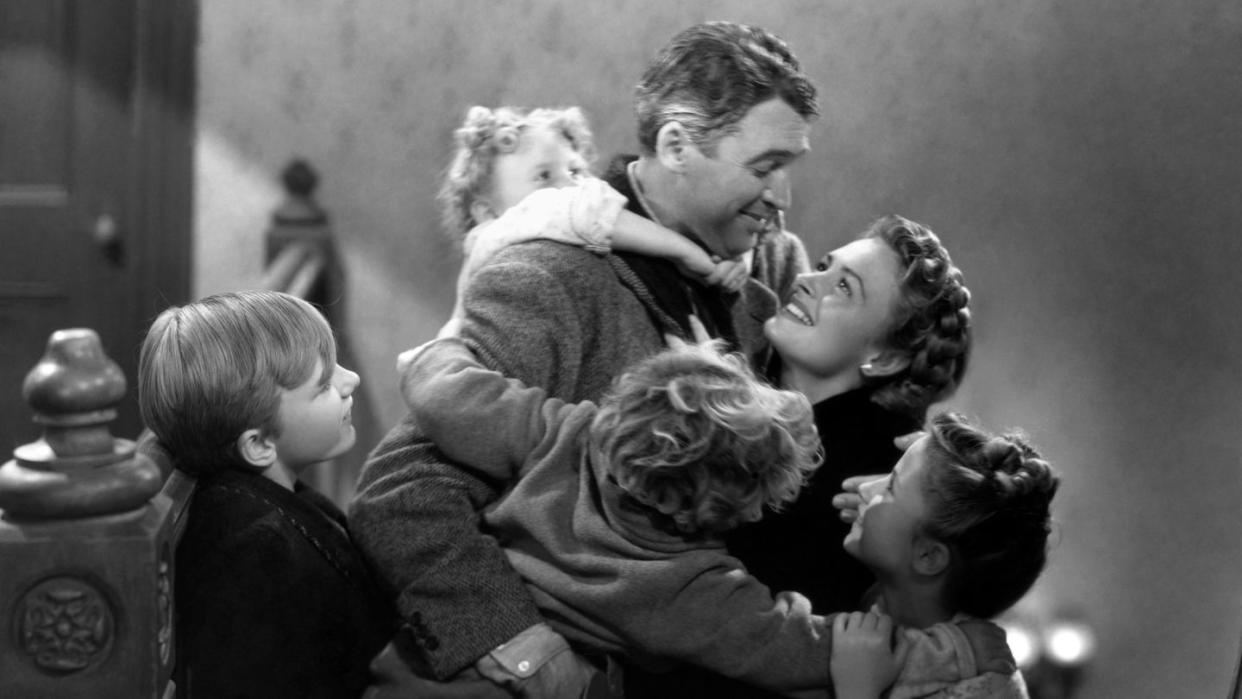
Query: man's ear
x,y
481,210
673,147
884,363
256,448
931,557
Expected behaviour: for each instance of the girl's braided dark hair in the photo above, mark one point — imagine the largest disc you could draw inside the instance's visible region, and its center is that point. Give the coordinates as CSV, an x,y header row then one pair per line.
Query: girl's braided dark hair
x,y
988,500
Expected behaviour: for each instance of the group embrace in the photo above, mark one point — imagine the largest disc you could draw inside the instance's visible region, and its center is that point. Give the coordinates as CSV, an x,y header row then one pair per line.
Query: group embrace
x,y
652,453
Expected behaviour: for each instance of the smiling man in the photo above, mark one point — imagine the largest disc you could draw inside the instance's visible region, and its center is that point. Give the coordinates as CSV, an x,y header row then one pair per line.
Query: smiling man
x,y
722,112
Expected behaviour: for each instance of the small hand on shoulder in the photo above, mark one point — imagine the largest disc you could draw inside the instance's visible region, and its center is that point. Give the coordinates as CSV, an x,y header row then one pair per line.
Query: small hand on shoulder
x,y
865,658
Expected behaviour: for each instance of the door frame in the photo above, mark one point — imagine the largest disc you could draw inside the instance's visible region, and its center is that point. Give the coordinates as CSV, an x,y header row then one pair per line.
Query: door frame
x,y
162,182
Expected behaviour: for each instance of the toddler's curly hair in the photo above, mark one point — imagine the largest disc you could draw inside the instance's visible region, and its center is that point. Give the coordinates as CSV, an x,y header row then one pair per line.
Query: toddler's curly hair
x,y
694,434
488,133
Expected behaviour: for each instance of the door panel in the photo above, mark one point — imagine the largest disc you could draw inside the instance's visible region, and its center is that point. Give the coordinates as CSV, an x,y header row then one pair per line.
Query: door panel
x,y
67,86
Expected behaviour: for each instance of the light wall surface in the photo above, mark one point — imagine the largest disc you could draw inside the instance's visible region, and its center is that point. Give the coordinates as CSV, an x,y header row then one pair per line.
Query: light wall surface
x,y
1082,159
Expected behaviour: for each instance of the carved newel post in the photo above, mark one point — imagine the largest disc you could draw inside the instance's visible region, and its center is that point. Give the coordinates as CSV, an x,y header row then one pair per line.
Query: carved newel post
x,y
87,532
300,220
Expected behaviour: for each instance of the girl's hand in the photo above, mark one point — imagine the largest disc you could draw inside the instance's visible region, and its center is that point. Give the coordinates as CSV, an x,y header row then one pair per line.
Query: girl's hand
x,y
906,441
864,662
848,500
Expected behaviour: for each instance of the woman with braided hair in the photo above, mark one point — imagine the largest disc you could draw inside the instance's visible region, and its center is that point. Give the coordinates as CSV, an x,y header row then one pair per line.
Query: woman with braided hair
x,y
958,530
873,338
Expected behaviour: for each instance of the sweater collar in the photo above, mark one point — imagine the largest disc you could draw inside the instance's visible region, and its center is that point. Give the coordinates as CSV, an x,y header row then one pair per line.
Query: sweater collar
x,y
672,293
314,516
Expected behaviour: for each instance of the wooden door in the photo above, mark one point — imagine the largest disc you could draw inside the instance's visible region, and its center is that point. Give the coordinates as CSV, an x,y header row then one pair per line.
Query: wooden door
x,y
80,108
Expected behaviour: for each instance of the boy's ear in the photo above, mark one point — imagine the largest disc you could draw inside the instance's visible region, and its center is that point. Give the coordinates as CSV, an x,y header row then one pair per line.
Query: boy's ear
x,y
931,557
256,448
884,363
673,146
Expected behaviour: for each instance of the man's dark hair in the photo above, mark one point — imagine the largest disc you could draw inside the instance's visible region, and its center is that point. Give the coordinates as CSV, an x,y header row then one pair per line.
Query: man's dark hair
x,y
709,76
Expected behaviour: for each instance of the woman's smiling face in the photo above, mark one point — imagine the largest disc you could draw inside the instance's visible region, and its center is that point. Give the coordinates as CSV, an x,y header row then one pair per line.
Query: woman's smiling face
x,y
838,317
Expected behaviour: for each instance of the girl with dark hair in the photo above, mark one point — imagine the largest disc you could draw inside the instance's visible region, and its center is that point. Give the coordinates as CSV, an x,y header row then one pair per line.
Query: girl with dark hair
x,y
958,530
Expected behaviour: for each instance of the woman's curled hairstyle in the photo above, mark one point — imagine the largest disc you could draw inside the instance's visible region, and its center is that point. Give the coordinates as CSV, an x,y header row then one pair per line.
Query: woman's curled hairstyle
x,y
694,434
932,323
988,501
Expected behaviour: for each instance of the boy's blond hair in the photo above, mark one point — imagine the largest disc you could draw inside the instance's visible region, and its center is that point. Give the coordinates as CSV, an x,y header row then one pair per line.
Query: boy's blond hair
x,y
214,368
694,434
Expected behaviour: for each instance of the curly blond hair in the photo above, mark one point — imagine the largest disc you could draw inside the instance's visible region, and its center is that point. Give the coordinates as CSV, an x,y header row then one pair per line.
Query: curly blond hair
x,y
488,133
694,434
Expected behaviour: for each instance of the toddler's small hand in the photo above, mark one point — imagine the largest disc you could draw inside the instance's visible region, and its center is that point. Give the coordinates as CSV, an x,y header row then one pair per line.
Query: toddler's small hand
x,y
729,274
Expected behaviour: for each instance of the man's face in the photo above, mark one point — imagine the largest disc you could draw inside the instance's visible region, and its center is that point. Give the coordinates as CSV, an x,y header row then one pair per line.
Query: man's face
x,y
734,194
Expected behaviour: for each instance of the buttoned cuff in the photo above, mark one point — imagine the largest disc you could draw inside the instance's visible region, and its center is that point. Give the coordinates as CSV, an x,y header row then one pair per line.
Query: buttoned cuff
x,y
524,654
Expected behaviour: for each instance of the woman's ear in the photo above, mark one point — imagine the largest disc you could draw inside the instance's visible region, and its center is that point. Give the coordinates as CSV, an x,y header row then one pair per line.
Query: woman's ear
x,y
931,557
673,147
884,363
256,448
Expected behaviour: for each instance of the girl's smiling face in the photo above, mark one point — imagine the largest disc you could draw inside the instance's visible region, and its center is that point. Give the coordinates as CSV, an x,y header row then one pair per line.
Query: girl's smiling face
x,y
891,516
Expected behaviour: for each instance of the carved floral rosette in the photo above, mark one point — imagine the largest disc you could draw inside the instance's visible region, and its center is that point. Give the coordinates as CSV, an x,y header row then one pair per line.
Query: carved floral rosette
x,y
65,625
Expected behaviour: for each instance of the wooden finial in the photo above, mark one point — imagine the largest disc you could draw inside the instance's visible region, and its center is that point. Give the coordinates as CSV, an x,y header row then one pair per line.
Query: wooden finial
x,y
299,207
77,468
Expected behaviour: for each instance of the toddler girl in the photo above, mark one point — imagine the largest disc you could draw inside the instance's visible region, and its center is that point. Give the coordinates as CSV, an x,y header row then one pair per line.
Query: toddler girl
x,y
519,176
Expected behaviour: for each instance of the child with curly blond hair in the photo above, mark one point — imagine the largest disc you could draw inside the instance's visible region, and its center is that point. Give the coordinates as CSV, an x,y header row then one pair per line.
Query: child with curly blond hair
x,y
522,175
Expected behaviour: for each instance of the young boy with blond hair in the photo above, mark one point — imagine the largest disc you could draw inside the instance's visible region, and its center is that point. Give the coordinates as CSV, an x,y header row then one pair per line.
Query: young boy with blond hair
x,y
272,599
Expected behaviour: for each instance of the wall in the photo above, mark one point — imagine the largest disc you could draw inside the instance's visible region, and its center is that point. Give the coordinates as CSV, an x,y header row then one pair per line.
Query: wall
x,y
1081,159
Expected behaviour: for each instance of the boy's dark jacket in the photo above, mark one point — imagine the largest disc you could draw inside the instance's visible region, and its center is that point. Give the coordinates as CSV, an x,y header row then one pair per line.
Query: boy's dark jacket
x,y
272,598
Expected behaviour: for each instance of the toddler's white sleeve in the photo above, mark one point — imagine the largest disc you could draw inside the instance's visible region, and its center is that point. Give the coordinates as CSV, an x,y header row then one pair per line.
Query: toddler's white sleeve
x,y
582,215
